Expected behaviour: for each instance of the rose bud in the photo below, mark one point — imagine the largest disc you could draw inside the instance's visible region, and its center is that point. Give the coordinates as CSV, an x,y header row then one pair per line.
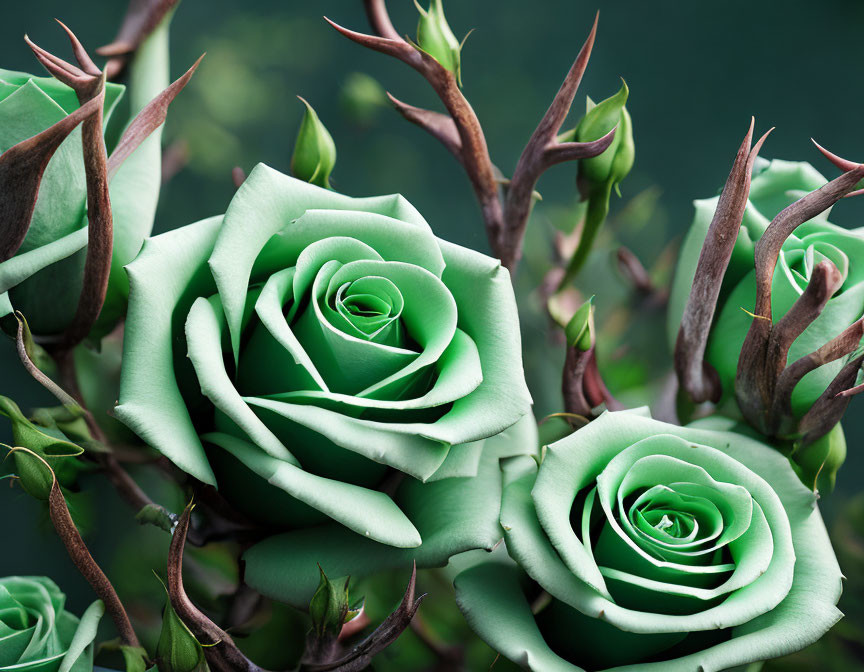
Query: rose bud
x,y
314,151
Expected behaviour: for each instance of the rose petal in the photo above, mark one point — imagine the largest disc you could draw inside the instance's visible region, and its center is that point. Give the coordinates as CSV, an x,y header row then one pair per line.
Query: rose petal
x,y
368,512
169,274
452,516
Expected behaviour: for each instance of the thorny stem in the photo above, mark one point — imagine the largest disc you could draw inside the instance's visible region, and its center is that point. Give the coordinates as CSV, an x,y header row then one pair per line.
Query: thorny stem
x,y
505,217
80,555
88,82
220,650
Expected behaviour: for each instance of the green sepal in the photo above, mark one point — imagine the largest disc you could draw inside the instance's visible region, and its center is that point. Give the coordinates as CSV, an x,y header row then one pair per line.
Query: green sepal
x,y
817,464
135,658
56,451
580,329
330,608
314,152
177,649
615,163
435,37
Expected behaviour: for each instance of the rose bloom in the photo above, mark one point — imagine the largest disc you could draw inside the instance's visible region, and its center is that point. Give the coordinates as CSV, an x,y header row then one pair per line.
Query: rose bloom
x,y
37,634
639,545
307,350
775,186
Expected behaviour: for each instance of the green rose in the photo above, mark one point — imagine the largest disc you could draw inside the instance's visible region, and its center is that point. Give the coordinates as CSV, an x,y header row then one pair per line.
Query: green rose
x,y
307,347
37,634
654,547
43,279
775,185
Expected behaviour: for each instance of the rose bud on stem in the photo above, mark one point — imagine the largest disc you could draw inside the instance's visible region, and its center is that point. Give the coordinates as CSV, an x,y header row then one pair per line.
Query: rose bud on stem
x,y
314,151
581,384
505,215
599,175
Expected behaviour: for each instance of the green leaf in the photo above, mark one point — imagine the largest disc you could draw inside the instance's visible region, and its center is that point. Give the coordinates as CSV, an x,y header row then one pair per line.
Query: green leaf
x,y
135,658
314,151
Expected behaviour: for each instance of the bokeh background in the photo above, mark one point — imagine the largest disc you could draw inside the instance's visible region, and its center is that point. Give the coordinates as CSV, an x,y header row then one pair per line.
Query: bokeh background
x,y
696,71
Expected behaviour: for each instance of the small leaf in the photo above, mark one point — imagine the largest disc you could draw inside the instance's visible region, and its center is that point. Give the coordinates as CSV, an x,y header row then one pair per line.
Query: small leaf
x,y
314,152
135,658
154,514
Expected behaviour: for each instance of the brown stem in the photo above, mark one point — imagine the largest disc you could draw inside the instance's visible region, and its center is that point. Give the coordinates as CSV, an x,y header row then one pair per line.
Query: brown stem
x,y
840,346
87,566
542,151
88,82
21,341
695,375
142,18
148,120
573,381
220,650
474,153
830,406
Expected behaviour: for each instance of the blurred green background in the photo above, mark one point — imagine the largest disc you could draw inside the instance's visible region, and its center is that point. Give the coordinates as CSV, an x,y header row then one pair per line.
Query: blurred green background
x,y
696,71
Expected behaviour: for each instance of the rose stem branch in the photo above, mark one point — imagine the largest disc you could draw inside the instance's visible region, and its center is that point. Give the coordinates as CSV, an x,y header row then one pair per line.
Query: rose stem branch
x,y
573,381
844,344
80,555
220,650
142,17
88,82
463,123
543,151
22,340
762,357
695,375
459,130
385,634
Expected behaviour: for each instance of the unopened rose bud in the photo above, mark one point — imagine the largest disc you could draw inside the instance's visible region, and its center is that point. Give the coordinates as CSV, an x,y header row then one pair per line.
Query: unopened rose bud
x,y
613,165
177,648
580,329
329,610
314,152
435,37
362,97
38,452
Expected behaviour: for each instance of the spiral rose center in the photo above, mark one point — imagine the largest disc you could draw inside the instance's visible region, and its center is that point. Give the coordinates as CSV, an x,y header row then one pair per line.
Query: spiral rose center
x,y
804,261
